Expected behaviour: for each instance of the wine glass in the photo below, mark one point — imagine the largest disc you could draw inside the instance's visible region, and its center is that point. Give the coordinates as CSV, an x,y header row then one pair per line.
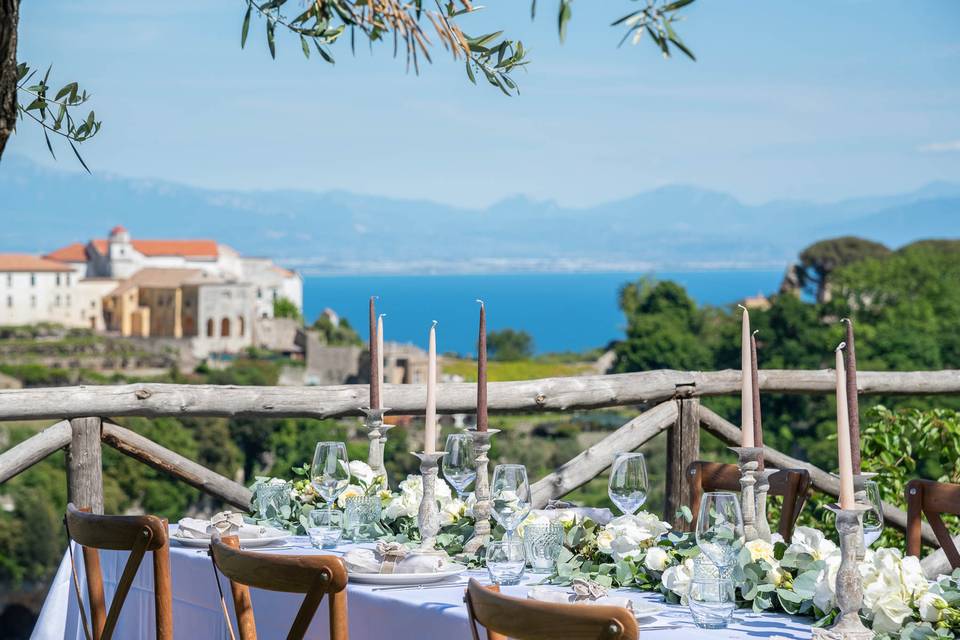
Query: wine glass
x,y
628,482
459,466
720,527
872,519
330,471
510,495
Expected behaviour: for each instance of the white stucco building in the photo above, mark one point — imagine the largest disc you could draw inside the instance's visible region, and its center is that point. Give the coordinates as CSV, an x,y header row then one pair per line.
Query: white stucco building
x,y
35,289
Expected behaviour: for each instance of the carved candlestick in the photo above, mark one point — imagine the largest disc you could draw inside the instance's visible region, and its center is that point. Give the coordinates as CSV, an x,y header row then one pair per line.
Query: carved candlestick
x,y
482,507
377,433
763,489
849,587
748,460
428,516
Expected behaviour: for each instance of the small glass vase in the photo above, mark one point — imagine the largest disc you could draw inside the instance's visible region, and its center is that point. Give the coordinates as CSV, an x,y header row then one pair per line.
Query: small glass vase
x,y
712,594
361,520
543,543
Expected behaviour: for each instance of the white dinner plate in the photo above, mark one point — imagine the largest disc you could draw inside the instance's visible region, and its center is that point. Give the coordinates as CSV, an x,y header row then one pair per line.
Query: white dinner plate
x,y
272,535
407,578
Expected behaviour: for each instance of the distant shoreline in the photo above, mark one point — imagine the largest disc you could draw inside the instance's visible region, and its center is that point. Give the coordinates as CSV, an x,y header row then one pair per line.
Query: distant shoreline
x,y
464,270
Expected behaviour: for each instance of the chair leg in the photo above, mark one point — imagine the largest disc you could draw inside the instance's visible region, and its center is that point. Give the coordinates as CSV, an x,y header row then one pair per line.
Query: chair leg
x,y
339,627
163,593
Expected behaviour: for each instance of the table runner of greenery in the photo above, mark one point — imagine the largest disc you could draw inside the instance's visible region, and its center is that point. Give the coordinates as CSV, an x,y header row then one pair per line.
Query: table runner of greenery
x,y
642,552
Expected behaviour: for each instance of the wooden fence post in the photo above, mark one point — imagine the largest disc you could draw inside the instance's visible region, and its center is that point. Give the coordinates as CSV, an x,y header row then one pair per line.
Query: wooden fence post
x,y
683,447
84,466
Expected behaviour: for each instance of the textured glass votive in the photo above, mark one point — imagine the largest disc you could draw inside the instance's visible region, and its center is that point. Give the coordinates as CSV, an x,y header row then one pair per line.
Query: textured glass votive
x,y
270,500
361,522
543,543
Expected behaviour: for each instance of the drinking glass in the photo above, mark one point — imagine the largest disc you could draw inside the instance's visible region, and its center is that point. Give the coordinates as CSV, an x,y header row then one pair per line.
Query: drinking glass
x,y
711,596
330,471
628,482
459,466
510,495
872,519
506,561
542,543
271,499
720,528
325,527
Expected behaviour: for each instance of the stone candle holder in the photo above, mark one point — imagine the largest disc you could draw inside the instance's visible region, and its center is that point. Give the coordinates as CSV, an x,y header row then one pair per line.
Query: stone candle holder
x,y
748,460
763,489
428,516
377,433
482,508
849,588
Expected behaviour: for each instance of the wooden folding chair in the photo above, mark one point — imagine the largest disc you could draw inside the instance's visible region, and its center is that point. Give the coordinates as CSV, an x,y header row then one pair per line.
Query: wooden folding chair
x,y
932,499
136,534
523,619
792,484
313,575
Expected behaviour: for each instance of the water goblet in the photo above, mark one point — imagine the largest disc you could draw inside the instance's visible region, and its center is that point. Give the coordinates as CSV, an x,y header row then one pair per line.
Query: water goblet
x,y
720,528
506,561
325,528
459,465
510,496
628,486
872,519
330,471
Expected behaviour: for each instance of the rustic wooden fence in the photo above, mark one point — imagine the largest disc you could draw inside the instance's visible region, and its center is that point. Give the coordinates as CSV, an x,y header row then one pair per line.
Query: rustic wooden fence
x,y
671,400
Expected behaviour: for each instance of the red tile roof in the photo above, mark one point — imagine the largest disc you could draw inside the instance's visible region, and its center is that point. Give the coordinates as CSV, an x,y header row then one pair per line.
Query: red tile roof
x,y
185,248
75,252
24,262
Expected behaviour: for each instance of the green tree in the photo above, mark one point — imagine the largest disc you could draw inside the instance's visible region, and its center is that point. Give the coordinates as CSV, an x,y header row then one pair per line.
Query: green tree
x,y
284,307
821,259
340,334
509,344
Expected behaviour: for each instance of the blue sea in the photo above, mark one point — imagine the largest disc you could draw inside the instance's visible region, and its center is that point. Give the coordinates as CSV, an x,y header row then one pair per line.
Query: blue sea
x,y
562,311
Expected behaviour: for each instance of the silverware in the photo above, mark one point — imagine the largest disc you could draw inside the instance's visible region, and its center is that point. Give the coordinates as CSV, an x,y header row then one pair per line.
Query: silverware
x,y
417,587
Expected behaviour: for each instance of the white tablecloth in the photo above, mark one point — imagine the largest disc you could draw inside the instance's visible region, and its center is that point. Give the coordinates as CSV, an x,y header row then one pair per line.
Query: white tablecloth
x,y
374,615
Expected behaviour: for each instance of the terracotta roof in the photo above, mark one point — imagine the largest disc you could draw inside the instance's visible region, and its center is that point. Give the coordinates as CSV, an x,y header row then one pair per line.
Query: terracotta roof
x,y
117,229
185,248
286,273
76,252
25,262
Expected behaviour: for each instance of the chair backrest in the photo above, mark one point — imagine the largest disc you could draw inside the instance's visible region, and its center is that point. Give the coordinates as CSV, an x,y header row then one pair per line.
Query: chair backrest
x,y
313,575
524,619
792,484
931,499
136,534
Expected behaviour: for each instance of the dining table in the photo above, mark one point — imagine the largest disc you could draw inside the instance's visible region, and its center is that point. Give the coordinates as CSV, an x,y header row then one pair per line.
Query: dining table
x,y
425,612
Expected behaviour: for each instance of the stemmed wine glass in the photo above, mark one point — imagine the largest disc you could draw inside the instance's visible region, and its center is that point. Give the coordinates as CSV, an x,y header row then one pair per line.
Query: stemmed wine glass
x,y
459,466
330,471
510,495
628,482
720,528
872,519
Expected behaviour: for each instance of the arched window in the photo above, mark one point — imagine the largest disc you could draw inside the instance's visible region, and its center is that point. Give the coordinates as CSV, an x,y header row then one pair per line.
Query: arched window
x,y
240,326
210,328
225,328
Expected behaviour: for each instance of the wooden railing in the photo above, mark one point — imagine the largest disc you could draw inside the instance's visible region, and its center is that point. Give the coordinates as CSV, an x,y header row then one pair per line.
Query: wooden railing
x,y
671,400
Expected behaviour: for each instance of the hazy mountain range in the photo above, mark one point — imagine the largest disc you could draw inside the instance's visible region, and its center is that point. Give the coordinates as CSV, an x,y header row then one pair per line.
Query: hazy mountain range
x,y
673,227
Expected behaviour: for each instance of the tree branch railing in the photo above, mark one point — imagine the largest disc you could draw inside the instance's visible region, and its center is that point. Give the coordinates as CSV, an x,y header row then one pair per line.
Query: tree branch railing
x,y
672,395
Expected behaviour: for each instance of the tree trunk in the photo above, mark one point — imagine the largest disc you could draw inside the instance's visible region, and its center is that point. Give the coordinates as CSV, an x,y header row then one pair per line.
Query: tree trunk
x,y
9,16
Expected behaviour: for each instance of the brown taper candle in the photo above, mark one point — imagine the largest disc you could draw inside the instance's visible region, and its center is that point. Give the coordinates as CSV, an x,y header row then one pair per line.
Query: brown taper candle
x,y
374,357
482,370
853,403
755,376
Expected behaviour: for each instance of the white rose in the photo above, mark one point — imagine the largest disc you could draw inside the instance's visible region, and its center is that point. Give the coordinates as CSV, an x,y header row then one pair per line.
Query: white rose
x,y
761,550
451,512
931,607
889,614
656,559
825,595
811,542
677,578
604,540
361,471
568,518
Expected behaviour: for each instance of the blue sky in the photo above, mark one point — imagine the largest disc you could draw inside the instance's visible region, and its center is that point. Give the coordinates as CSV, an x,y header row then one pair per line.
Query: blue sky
x,y
817,100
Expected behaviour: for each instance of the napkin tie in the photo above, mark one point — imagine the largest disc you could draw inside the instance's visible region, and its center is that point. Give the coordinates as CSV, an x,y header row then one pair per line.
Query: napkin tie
x,y
227,522
391,553
584,589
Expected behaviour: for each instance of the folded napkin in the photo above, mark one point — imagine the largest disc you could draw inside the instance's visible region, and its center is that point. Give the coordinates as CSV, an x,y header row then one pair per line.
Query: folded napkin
x,y
545,594
226,523
393,558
